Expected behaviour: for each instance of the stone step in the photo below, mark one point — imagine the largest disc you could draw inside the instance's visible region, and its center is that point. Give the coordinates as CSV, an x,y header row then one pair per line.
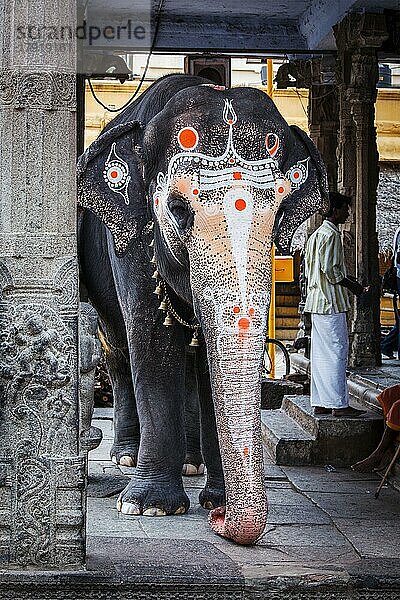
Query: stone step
x,y
298,408
340,441
286,334
287,300
287,311
287,323
285,441
326,426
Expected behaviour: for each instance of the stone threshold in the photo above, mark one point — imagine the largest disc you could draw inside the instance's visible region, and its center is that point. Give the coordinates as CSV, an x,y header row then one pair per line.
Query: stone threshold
x,y
140,569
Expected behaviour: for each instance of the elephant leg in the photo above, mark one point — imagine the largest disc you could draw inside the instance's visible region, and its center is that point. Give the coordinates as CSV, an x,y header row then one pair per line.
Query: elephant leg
x,y
213,493
194,464
125,448
158,363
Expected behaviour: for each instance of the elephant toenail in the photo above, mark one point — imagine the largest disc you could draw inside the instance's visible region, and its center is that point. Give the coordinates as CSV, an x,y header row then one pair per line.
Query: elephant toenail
x,y
130,509
114,460
119,504
153,511
126,461
180,511
200,470
208,505
189,470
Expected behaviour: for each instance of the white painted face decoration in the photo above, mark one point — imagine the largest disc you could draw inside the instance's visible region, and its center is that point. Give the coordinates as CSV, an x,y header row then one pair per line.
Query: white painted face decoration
x,y
116,174
211,174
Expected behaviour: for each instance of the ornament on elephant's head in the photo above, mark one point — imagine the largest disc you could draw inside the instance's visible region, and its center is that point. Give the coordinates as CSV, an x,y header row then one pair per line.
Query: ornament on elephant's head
x,y
188,138
298,173
228,169
272,144
116,174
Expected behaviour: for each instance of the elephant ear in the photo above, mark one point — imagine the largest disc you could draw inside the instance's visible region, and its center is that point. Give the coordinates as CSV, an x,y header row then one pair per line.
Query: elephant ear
x,y
303,162
110,182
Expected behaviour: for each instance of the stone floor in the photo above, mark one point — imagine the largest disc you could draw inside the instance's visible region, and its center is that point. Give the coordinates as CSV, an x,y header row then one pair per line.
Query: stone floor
x,y
325,528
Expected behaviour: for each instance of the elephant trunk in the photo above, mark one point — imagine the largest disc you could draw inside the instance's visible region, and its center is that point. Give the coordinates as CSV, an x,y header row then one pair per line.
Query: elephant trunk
x,y
235,362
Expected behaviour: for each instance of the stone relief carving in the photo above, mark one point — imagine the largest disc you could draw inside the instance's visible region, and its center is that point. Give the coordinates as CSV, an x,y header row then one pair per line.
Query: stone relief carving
x,y
39,417
90,354
65,284
36,365
41,90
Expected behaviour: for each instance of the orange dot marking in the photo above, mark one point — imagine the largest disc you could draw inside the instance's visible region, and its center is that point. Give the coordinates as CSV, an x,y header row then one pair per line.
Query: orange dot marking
x,y
251,312
156,201
246,451
114,174
195,192
230,121
244,323
232,161
240,204
236,310
237,175
188,138
296,174
281,189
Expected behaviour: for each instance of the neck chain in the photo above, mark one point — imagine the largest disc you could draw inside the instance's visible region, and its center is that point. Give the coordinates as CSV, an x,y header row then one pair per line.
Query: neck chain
x,y
166,305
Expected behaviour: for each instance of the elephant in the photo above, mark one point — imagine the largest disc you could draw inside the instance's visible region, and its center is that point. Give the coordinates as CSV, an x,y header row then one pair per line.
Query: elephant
x,y
187,190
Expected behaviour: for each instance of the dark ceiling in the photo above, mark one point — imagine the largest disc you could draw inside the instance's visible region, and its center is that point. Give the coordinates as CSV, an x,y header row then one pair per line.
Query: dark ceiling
x,y
233,26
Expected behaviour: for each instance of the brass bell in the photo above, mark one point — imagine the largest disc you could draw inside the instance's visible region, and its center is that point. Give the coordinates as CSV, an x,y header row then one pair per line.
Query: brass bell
x,y
195,342
163,305
168,320
153,260
158,291
155,275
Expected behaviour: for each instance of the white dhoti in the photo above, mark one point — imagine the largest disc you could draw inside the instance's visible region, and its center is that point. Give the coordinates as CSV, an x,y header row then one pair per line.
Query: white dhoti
x,y
329,350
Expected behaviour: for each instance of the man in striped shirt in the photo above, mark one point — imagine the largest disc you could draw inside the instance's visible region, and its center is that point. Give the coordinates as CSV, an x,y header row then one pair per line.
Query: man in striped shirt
x,y
328,301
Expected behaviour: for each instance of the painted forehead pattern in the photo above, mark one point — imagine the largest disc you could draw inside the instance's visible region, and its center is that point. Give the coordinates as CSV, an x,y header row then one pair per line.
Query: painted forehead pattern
x,y
216,172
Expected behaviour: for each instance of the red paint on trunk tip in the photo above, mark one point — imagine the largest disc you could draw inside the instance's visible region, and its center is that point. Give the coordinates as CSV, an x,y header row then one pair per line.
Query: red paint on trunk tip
x,y
243,529
244,323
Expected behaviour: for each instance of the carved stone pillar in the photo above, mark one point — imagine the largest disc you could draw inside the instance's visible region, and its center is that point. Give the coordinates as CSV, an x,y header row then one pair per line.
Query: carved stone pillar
x,y
323,114
323,121
358,38
42,474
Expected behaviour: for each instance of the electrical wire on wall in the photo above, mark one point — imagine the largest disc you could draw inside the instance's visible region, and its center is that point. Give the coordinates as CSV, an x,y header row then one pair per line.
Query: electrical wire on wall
x,y
136,93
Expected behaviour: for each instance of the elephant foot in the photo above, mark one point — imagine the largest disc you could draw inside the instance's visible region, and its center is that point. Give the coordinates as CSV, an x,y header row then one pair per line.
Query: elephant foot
x,y
193,465
125,453
153,498
212,495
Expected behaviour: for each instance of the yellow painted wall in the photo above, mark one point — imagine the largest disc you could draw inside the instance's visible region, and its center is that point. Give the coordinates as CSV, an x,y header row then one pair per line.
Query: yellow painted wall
x,y
291,103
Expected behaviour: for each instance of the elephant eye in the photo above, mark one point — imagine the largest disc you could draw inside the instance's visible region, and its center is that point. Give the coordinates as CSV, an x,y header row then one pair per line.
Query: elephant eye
x,y
181,212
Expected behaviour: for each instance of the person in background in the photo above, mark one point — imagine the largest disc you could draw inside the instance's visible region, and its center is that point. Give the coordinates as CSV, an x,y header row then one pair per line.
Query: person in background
x,y
391,342
328,302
